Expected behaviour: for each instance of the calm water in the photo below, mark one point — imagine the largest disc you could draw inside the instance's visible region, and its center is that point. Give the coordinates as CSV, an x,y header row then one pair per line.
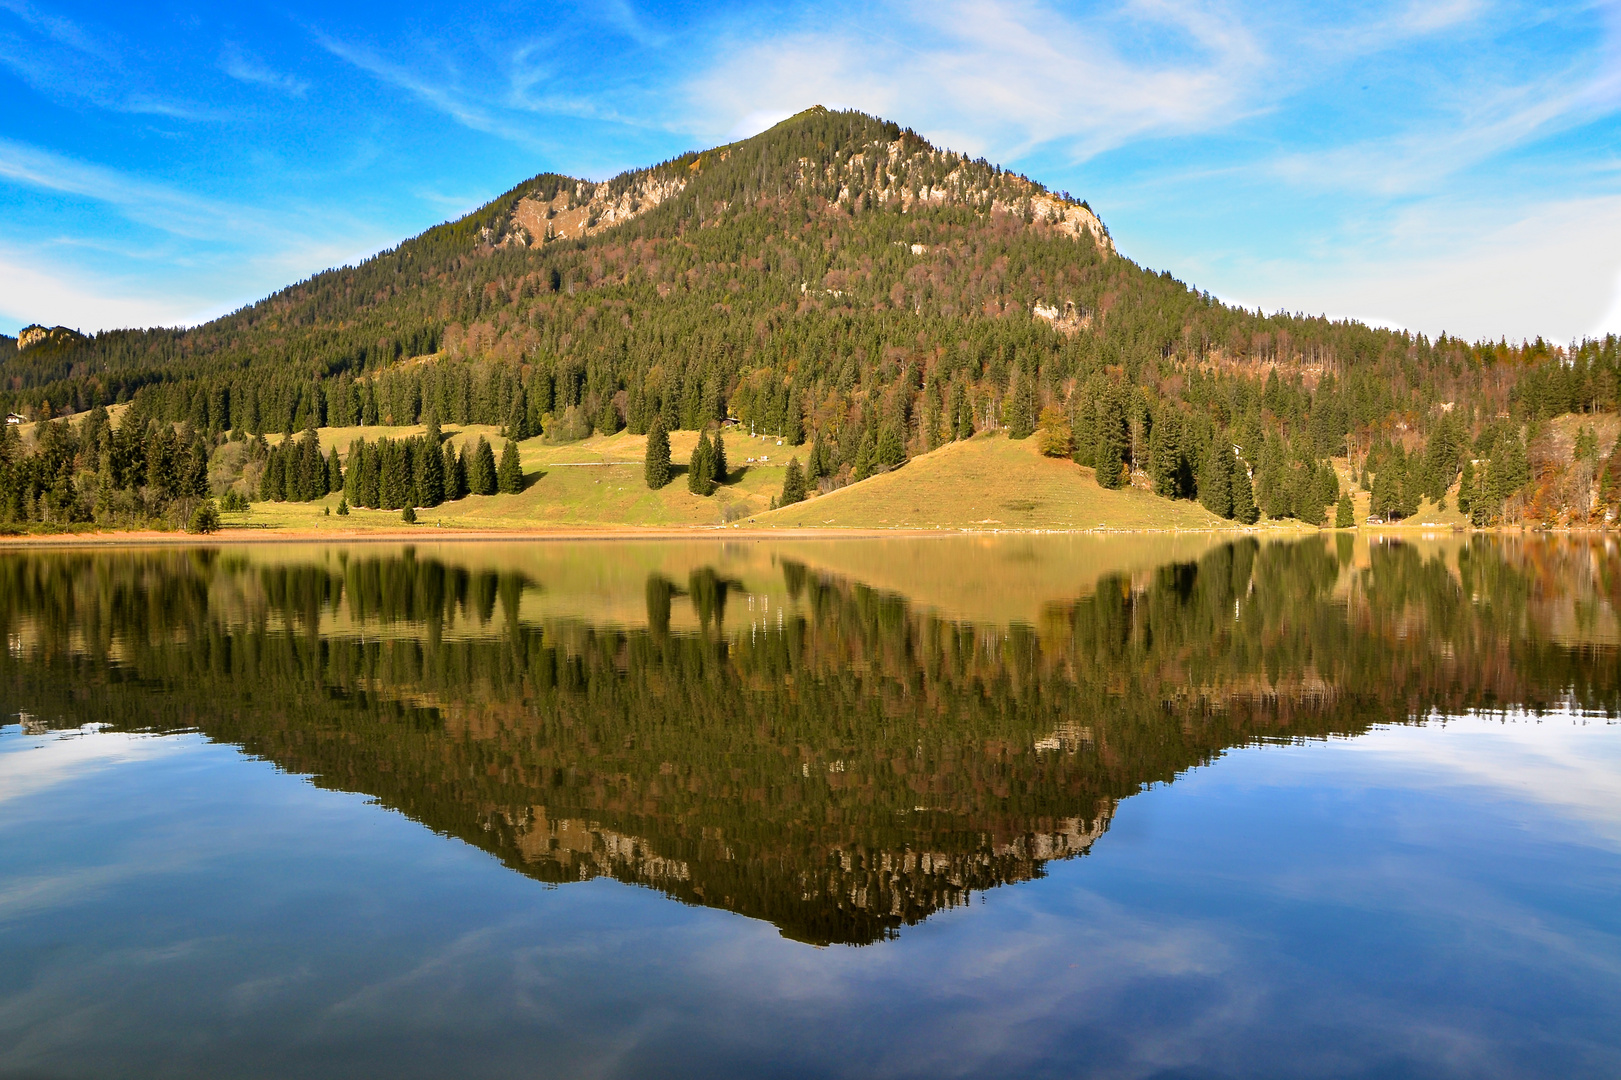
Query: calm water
x,y
1012,807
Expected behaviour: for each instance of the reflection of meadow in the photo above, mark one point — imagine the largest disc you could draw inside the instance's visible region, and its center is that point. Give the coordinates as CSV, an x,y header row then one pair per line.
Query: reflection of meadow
x,y
772,736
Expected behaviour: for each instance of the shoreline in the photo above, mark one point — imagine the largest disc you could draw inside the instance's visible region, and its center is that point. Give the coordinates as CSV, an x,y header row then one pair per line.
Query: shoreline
x,y
432,534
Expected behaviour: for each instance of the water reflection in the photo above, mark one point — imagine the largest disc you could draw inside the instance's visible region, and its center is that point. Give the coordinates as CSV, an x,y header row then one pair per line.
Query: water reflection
x,y
776,736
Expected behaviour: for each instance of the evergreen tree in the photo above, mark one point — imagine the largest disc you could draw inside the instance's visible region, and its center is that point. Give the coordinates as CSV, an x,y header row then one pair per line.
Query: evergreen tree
x,y
370,493
717,459
891,448
1244,509
334,472
1022,407
819,465
960,414
793,484
793,427
1466,487
1344,514
430,469
656,463
394,481
517,424
701,468
455,474
509,476
1216,481
1386,495
1113,439
272,483
481,472
865,457
607,420
1165,455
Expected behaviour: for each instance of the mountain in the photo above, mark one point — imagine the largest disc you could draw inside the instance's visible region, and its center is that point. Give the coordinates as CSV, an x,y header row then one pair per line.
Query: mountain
x,y
841,281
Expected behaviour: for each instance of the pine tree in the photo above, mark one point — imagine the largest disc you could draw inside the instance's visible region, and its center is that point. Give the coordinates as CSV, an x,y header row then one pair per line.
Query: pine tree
x,y
607,420
793,484
891,449
656,463
430,469
1386,497
481,472
1112,439
509,476
1165,455
1344,514
701,468
717,459
819,465
1022,408
959,416
865,459
1216,481
793,426
1466,487
334,472
455,478
1244,509
517,425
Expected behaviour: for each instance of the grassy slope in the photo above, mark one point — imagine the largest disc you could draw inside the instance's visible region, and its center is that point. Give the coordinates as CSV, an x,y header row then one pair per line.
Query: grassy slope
x,y
991,482
986,483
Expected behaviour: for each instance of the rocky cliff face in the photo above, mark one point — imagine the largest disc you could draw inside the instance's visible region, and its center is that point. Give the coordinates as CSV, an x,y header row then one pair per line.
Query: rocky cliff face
x,y
34,337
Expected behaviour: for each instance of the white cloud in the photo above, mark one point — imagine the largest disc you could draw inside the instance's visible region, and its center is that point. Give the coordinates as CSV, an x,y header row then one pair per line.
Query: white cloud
x,y
31,294
1476,270
1016,74
245,67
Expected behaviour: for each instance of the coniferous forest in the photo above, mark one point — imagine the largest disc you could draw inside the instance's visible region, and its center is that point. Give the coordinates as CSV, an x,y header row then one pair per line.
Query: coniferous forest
x,y
836,281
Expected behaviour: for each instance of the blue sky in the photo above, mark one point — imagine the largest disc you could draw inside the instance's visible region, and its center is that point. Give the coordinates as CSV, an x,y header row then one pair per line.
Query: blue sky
x,y
1450,166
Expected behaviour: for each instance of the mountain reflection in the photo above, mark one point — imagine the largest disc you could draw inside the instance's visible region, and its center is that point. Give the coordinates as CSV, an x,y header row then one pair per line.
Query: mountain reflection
x,y
831,757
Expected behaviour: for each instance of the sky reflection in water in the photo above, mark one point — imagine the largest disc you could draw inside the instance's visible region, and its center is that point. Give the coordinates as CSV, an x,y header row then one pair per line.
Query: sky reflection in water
x,y
1429,899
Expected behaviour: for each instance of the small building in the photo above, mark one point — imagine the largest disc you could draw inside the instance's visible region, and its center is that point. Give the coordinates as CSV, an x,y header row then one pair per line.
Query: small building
x,y
14,418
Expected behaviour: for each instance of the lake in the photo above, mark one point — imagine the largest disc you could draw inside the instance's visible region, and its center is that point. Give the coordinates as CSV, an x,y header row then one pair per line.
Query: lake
x,y
1128,806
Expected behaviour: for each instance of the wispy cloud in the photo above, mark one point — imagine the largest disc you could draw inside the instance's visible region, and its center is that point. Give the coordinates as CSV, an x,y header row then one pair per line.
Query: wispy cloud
x,y
63,60
447,96
1003,76
245,67
145,202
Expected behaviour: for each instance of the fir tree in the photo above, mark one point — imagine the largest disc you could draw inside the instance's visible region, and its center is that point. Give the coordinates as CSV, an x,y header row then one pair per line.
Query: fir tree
x,y
1344,514
891,448
430,469
608,416
1216,480
481,472
701,468
717,459
656,463
793,484
1244,509
455,477
793,427
509,476
865,457
1022,408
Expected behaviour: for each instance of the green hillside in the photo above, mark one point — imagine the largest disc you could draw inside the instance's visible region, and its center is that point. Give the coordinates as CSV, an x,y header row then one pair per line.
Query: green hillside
x,y
837,282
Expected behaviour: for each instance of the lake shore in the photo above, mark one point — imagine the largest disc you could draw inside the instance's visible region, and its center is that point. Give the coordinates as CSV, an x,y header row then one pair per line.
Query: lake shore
x,y
428,533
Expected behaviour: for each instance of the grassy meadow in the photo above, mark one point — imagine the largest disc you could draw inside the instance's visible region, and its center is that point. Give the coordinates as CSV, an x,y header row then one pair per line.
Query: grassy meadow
x,y
985,483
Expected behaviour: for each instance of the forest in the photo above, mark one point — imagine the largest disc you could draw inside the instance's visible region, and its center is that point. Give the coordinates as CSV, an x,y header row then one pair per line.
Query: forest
x,y
842,283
